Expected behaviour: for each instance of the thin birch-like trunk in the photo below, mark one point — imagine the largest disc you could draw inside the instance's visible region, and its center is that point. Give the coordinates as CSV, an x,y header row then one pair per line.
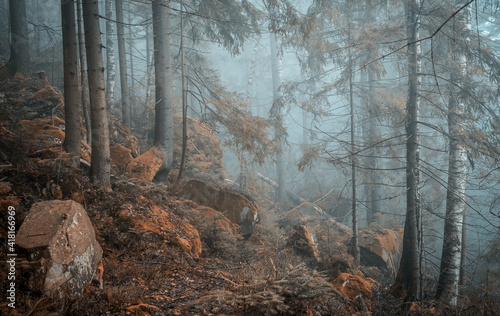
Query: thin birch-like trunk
x,y
83,75
122,61
277,115
449,276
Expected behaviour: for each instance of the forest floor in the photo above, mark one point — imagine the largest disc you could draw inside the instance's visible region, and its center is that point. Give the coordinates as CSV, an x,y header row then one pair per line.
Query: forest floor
x,y
147,273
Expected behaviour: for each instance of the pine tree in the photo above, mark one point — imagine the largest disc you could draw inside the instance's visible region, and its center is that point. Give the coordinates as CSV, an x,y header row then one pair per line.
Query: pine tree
x,y
100,166
71,110
164,120
19,41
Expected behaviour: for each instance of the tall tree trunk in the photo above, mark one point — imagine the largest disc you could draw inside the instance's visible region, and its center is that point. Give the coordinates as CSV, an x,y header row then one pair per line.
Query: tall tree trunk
x,y
277,115
122,61
71,111
100,166
243,176
110,54
19,42
251,75
449,276
131,57
374,202
184,102
83,75
149,72
408,276
355,244
164,119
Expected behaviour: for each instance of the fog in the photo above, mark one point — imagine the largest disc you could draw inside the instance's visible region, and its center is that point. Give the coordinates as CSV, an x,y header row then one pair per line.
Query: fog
x,y
316,95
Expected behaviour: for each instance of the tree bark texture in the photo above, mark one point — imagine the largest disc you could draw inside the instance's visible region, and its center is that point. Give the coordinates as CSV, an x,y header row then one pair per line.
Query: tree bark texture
x,y
84,84
19,42
449,276
164,120
110,54
408,276
70,58
100,166
373,135
122,61
277,115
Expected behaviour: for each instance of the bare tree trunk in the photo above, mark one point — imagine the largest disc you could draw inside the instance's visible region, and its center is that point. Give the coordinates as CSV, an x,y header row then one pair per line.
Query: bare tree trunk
x,y
277,115
131,57
251,75
83,75
355,244
100,167
150,65
122,61
184,102
19,42
373,161
408,276
71,111
449,276
110,54
244,173
164,120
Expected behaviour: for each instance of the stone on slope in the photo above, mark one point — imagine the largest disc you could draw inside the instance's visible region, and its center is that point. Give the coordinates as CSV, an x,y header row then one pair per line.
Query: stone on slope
x,y
60,238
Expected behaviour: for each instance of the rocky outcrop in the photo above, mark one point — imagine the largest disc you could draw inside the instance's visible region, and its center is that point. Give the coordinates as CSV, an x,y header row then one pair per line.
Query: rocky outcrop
x,y
236,207
381,247
120,134
163,225
48,136
303,244
120,156
203,151
336,206
60,241
320,225
217,232
146,165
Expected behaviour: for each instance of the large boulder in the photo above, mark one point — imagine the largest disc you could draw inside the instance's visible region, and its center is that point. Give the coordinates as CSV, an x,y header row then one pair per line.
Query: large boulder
x,y
163,225
60,240
146,165
120,156
303,244
215,229
48,135
120,133
381,247
320,225
337,206
203,152
238,208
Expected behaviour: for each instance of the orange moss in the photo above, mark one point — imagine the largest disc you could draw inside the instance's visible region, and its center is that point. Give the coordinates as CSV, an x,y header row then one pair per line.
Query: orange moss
x,y
48,93
352,285
120,156
143,309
